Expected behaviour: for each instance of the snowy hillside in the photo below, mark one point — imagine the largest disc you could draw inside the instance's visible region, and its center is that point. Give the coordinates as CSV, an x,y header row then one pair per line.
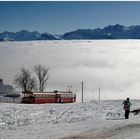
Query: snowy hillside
x,y
93,119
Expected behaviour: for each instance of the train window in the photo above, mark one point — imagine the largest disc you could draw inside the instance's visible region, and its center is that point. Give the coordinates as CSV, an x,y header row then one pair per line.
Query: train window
x,y
37,96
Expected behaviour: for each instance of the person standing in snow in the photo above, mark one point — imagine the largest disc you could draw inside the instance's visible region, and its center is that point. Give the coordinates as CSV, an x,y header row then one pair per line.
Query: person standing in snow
x,y
127,105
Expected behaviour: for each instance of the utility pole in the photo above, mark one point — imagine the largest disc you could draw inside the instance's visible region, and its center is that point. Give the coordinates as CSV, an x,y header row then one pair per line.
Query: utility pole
x,y
93,94
99,94
82,91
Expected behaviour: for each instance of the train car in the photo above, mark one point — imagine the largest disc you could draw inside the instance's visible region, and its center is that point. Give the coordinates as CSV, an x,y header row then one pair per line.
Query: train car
x,y
48,97
66,97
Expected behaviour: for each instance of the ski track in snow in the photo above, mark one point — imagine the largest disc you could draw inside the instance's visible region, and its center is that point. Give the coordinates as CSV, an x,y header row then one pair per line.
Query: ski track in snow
x,y
93,119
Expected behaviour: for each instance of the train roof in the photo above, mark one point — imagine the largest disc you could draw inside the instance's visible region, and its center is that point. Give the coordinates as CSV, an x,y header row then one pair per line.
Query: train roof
x,y
59,92
49,92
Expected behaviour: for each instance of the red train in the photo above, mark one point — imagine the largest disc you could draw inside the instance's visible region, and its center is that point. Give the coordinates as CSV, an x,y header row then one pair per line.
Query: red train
x,y
48,97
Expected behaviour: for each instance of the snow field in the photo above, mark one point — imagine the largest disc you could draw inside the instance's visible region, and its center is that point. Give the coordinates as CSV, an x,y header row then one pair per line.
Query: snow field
x,y
75,120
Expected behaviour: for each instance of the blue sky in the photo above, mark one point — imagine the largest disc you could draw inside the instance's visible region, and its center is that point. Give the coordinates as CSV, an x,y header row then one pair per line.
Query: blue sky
x,y
63,16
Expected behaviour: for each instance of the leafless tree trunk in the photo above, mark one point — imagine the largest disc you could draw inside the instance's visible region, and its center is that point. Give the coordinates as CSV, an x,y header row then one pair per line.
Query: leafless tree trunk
x,y
42,74
25,81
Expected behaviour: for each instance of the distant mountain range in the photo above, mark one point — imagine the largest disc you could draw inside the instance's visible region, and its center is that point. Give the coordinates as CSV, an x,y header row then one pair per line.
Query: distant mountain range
x,y
110,32
24,35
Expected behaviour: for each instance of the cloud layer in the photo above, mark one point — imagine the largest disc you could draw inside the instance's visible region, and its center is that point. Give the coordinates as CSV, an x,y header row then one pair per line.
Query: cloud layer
x,y
112,65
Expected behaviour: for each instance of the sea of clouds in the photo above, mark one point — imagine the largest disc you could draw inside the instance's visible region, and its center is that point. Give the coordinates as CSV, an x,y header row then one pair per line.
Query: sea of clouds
x,y
111,65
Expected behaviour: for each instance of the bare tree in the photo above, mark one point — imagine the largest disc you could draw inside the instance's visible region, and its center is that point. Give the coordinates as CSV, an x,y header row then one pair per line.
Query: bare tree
x,y
25,81
42,74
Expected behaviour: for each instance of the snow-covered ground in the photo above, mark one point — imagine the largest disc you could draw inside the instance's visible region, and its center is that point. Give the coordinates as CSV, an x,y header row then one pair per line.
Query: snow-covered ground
x,y
104,119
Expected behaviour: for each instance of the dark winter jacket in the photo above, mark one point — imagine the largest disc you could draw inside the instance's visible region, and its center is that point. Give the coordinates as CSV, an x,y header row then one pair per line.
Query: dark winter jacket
x,y
127,104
